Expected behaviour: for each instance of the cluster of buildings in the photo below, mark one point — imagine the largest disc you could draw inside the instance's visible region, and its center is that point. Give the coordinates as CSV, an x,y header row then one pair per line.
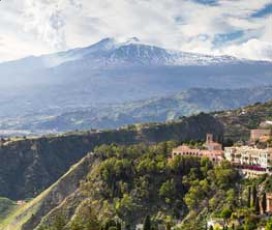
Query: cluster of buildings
x,y
249,157
211,149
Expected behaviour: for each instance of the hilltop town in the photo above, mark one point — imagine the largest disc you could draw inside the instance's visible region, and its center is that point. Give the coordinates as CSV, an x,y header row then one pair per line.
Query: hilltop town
x,y
253,157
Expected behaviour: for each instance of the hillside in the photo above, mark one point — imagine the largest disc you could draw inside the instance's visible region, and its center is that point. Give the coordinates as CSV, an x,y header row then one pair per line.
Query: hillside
x,y
237,123
118,189
28,166
6,206
122,178
47,200
25,163
184,103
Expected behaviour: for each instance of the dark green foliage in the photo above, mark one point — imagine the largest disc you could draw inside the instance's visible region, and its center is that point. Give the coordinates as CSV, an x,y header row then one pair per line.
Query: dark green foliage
x,y
249,197
85,219
147,223
257,206
254,196
58,223
141,179
226,213
264,204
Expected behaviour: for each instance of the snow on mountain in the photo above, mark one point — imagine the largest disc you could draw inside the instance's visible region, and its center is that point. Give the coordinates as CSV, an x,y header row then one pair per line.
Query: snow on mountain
x,y
109,51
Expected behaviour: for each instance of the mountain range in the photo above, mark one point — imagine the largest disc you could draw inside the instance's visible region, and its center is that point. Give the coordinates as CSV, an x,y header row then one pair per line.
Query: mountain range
x,y
109,84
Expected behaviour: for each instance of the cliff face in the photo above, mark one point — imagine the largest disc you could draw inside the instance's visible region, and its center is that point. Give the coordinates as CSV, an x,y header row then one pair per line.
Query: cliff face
x,y
29,166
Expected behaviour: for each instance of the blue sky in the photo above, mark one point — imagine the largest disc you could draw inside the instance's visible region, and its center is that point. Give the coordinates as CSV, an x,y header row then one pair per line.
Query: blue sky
x,y
240,28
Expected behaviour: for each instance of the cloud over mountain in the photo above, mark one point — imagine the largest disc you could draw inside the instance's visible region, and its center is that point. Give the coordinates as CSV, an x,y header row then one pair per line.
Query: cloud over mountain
x,y
240,28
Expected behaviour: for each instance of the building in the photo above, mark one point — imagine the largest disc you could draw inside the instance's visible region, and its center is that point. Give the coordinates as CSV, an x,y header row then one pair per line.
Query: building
x,y
259,134
249,156
211,150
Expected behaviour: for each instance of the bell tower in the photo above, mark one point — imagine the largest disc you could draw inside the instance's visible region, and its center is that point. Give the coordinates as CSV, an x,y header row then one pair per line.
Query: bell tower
x,y
209,138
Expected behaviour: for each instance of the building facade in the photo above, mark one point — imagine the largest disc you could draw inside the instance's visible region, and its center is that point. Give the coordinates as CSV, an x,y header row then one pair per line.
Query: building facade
x,y
259,134
249,156
211,150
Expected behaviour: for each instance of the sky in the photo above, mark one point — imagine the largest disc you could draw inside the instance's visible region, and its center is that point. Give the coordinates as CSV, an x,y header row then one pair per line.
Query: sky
x,y
240,28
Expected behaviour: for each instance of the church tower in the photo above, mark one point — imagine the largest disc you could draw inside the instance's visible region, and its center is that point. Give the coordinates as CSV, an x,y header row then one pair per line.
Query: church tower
x,y
209,138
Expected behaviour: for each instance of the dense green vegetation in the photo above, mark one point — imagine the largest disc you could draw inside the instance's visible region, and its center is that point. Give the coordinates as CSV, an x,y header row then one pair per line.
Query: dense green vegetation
x,y
28,166
138,184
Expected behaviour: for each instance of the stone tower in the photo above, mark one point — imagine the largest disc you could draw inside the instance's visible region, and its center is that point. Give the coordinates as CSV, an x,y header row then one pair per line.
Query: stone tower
x,y
209,138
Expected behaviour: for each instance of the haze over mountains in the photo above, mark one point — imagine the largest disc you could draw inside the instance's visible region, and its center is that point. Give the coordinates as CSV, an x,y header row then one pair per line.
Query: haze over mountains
x,y
95,86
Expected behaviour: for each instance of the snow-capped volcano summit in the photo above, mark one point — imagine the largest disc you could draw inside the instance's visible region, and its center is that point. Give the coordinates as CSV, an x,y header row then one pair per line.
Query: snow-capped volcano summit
x,y
109,51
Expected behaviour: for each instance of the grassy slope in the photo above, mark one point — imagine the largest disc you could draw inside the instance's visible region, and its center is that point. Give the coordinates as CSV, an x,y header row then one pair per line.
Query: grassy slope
x,y
6,207
22,214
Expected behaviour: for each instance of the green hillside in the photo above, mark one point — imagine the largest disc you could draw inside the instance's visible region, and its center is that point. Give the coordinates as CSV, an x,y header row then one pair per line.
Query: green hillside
x,y
6,206
28,166
32,211
120,181
238,122
126,185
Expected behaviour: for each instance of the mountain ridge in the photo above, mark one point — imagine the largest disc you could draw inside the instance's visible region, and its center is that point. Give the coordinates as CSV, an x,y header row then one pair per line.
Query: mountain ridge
x,y
109,45
184,103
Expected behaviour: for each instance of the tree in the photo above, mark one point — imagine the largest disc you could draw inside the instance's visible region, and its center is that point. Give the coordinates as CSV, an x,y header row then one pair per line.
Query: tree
x,y
59,222
268,225
147,223
249,197
264,204
254,196
257,205
168,190
85,219
226,213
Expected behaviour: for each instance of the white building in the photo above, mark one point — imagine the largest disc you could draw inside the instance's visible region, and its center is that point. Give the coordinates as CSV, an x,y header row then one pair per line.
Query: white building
x,y
249,156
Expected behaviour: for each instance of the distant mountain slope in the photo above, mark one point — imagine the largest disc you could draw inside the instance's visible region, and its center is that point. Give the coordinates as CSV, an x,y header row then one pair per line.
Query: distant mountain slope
x,y
184,103
109,73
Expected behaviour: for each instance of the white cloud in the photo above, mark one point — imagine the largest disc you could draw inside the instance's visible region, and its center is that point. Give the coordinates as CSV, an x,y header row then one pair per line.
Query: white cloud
x,y
41,26
255,49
